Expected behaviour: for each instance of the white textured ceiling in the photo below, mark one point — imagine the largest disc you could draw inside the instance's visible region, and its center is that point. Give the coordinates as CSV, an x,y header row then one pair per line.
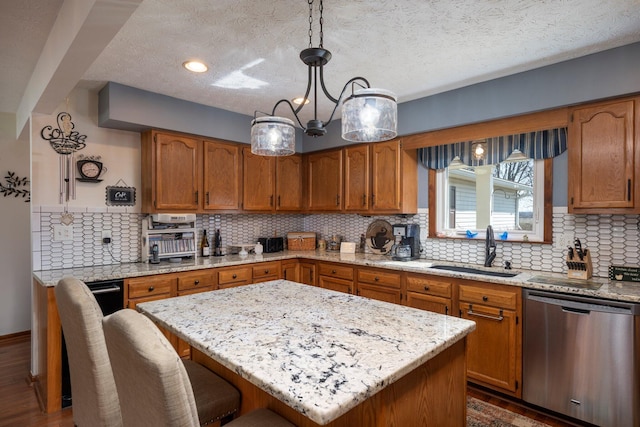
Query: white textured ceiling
x,y
412,47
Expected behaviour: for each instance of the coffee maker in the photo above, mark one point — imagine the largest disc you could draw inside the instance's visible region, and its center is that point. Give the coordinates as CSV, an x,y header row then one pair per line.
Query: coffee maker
x,y
407,242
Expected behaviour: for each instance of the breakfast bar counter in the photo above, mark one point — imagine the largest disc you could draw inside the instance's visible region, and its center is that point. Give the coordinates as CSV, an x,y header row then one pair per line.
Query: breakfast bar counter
x,y
320,357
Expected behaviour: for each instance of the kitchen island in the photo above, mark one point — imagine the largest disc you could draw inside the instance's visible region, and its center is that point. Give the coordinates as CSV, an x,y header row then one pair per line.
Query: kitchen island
x,y
320,357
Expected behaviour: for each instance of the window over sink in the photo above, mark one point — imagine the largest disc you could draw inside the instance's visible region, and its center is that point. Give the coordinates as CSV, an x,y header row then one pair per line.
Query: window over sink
x,y
509,196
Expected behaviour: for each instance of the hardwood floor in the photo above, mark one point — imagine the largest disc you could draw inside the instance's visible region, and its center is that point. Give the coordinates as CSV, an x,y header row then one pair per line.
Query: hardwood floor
x,y
18,402
19,405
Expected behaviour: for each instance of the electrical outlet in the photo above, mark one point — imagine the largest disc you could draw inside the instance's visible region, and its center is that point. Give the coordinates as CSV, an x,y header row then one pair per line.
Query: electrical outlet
x,y
62,233
562,240
106,236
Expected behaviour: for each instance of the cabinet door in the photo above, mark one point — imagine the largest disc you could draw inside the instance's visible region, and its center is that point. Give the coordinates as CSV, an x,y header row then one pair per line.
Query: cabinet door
x,y
222,175
333,284
380,293
324,181
386,176
289,183
258,184
492,348
603,152
308,273
356,178
291,270
428,302
177,172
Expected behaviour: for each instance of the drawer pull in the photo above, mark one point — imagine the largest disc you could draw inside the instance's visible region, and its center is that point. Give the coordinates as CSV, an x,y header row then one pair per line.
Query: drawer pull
x,y
235,276
151,288
333,272
470,312
485,298
426,288
266,272
196,282
376,279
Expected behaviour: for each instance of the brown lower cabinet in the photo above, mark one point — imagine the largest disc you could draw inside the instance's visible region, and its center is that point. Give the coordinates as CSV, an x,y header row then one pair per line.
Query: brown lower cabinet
x,y
383,285
431,293
336,277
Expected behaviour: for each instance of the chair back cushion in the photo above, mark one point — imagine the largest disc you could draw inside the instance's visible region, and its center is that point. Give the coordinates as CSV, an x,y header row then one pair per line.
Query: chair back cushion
x,y
153,386
95,400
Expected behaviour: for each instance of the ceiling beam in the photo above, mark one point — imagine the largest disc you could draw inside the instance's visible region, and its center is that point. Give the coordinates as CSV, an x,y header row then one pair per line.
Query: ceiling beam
x,y
80,33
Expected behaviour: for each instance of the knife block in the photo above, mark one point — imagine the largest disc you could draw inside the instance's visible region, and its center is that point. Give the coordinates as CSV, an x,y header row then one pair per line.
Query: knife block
x,y
580,269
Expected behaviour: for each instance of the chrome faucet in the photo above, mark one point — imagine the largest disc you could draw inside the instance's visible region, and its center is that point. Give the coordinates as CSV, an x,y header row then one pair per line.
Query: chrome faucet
x,y
489,247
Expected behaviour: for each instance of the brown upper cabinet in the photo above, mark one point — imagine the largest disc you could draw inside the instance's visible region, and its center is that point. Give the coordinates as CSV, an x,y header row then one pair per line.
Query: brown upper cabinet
x,y
187,174
170,172
380,178
604,154
324,180
271,183
222,175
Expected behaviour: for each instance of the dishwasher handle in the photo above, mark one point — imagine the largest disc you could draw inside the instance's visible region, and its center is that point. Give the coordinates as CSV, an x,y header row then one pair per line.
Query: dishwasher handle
x,y
581,305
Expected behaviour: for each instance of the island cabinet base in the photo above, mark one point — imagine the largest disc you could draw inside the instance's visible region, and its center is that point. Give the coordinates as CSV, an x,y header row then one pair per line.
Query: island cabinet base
x,y
433,394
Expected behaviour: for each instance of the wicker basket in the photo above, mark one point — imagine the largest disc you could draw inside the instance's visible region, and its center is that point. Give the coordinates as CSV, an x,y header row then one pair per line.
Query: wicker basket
x,y
301,241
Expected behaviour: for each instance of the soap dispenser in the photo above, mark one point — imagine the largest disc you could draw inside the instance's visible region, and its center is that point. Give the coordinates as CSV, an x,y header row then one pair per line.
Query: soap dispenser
x,y
258,248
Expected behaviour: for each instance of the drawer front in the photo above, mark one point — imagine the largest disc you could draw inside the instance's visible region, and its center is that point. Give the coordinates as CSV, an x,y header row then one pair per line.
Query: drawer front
x,y
141,288
429,286
270,270
376,277
234,275
490,297
333,270
195,281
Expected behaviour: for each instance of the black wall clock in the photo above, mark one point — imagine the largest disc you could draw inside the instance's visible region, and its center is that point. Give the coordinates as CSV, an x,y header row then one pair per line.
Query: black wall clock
x,y
89,170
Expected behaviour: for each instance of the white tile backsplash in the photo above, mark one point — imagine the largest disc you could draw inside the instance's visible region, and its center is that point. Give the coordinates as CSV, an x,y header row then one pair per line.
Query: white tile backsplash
x,y
613,239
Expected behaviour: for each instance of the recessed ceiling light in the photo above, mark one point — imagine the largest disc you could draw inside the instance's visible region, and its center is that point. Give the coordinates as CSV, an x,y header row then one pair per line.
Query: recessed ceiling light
x,y
195,66
300,100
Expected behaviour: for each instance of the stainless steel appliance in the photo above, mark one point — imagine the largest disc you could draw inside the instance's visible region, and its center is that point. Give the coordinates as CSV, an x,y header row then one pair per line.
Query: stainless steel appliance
x,y
110,297
581,357
272,244
406,235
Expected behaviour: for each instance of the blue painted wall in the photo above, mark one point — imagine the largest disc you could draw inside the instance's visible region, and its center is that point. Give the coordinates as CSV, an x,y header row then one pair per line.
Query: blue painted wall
x,y
606,74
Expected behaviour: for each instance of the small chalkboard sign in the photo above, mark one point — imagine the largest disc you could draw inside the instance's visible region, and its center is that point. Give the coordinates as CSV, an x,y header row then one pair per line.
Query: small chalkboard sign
x,y
121,196
625,274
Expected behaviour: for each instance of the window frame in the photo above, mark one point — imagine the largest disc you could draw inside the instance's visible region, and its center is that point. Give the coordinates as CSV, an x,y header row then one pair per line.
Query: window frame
x,y
435,201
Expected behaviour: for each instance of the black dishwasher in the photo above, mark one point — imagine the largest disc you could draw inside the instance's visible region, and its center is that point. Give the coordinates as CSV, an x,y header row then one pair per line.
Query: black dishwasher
x,y
110,297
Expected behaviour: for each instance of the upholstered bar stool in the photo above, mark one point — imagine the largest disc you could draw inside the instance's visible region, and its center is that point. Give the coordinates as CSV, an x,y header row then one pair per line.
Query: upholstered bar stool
x,y
153,386
95,399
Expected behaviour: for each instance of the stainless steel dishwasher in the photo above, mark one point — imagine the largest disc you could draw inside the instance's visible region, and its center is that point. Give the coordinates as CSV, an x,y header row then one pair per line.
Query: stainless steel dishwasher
x,y
581,357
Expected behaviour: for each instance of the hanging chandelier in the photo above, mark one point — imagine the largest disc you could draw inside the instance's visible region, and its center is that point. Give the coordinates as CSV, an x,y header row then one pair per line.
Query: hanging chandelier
x,y
368,115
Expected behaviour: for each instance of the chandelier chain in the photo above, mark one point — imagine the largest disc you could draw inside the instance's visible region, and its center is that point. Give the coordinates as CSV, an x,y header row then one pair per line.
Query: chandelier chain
x,y
321,21
310,22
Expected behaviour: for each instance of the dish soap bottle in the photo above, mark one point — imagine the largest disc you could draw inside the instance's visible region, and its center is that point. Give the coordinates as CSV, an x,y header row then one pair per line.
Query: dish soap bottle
x,y
258,248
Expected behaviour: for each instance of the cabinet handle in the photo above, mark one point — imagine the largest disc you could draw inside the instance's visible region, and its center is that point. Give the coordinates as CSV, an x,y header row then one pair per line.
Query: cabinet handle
x,y
311,276
279,201
485,298
426,288
196,282
338,200
196,197
446,309
151,288
271,200
333,272
364,200
376,279
285,275
470,312
235,276
266,272
373,199
207,195
629,190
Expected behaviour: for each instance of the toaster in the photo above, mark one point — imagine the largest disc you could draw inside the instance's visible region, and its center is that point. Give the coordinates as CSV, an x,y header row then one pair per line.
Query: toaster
x,y
271,244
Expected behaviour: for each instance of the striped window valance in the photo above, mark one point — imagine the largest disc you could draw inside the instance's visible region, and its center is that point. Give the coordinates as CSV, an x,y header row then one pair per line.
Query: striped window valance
x,y
542,144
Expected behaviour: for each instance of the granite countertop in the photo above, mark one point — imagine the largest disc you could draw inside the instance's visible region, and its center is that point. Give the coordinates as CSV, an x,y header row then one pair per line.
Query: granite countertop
x,y
316,350
555,282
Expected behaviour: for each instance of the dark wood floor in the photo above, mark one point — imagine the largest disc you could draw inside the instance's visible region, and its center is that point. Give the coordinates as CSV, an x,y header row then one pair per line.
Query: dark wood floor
x,y
19,405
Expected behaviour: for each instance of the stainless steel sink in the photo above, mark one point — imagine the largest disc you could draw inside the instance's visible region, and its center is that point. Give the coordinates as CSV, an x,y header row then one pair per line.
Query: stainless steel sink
x,y
473,270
